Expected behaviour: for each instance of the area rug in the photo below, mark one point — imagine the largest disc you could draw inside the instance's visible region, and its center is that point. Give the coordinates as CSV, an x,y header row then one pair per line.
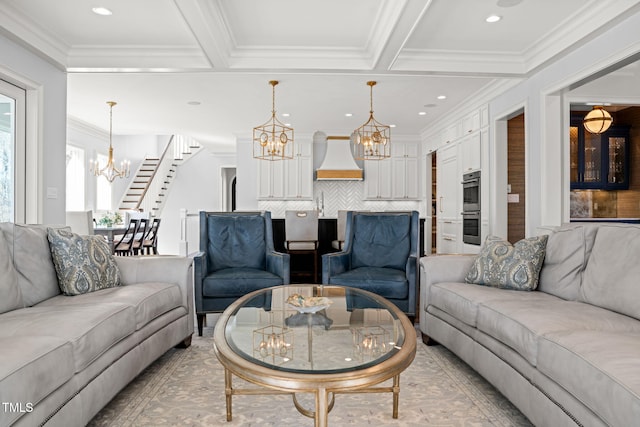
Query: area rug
x,y
185,387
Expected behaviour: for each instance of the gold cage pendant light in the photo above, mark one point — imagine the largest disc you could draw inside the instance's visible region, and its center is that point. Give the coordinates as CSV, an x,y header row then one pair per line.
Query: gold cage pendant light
x,y
110,171
597,120
372,139
273,140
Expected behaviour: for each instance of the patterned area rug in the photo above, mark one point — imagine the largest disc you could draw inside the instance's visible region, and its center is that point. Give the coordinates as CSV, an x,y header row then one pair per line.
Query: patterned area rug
x,y
186,388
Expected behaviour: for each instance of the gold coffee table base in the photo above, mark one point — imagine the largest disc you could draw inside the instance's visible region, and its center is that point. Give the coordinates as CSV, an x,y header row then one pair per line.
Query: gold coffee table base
x,y
323,405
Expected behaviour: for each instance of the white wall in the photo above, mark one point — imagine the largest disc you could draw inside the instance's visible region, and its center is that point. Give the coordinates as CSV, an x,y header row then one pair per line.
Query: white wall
x,y
46,88
197,186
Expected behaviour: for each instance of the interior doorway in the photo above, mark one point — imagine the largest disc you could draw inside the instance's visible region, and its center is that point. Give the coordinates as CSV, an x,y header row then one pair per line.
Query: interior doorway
x,y
516,178
228,190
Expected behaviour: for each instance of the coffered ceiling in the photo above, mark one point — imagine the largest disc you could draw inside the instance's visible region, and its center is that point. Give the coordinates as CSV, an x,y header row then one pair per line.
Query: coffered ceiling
x,y
157,58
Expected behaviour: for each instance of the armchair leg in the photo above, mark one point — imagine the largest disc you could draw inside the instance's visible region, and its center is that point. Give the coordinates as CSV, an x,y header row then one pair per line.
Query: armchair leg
x,y
426,339
200,323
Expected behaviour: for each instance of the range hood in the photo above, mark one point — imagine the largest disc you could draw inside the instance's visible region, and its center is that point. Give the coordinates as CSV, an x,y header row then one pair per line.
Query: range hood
x,y
338,163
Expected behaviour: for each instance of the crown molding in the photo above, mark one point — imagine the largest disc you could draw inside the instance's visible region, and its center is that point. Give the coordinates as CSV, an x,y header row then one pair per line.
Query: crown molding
x,y
27,33
578,29
460,62
146,57
87,128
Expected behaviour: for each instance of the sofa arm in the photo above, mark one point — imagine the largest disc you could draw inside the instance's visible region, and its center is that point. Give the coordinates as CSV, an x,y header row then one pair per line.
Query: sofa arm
x,y
439,269
335,263
165,269
279,264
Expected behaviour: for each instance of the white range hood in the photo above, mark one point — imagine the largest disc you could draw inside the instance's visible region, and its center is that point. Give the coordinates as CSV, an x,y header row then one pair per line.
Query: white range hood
x,y
338,163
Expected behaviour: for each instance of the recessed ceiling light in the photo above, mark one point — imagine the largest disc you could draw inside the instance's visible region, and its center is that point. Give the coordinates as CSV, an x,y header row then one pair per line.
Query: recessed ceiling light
x,y
194,102
493,18
288,124
442,97
8,113
103,11
348,114
285,114
422,113
392,126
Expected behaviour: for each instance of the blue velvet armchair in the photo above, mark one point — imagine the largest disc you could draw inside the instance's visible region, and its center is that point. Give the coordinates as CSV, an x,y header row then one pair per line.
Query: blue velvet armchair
x,y
380,255
236,257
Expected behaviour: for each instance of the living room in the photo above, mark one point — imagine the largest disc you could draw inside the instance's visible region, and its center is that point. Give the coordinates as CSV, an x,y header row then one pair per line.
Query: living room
x,y
544,82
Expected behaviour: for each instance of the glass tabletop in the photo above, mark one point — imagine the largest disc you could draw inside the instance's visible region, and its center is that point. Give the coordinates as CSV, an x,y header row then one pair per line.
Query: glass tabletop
x,y
315,329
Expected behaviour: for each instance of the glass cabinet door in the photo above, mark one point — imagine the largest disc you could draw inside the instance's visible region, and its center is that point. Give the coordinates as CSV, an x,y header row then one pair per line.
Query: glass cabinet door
x,y
599,161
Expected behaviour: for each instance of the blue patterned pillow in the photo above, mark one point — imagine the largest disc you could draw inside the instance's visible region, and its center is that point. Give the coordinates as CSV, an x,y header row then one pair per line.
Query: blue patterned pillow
x,y
83,263
502,265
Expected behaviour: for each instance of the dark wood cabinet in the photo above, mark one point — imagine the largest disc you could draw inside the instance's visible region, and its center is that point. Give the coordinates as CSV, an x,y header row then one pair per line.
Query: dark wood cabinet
x,y
599,161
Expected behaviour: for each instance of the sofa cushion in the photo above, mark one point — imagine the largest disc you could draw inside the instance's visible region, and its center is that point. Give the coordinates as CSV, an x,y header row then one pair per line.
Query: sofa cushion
x,y
381,241
386,282
461,300
32,259
236,241
593,364
564,263
519,323
503,265
9,287
236,282
91,329
33,366
83,263
149,300
611,277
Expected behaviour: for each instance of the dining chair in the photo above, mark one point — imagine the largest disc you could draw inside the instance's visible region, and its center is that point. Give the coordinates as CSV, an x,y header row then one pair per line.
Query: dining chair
x,y
125,245
138,239
301,237
150,243
81,222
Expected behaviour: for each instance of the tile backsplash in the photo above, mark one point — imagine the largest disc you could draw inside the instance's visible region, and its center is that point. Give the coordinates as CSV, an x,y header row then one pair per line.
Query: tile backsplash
x,y
339,195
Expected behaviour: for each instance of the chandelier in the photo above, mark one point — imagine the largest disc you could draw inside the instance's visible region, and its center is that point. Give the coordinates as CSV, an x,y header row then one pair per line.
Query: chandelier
x,y
273,140
110,171
372,138
597,120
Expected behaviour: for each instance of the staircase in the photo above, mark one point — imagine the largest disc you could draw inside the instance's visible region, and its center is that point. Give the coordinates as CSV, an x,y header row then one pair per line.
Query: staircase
x,y
150,186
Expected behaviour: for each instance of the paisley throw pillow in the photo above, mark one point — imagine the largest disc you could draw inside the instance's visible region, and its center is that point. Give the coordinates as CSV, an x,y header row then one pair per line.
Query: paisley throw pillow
x,y
83,263
503,265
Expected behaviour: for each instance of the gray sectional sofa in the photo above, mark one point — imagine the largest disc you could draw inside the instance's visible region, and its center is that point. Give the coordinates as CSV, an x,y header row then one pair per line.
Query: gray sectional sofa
x,y
565,354
62,358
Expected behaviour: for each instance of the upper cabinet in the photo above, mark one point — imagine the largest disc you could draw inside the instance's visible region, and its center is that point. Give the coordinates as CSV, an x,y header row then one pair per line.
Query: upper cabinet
x,y
404,168
299,173
599,161
287,179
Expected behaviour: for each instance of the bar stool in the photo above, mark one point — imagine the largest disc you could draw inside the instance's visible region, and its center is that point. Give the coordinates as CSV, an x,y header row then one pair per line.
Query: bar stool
x,y
301,236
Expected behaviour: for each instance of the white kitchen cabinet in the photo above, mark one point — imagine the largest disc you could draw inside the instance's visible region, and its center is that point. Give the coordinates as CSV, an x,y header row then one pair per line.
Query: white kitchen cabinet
x,y
448,183
299,173
404,166
447,203
471,123
271,179
377,179
470,152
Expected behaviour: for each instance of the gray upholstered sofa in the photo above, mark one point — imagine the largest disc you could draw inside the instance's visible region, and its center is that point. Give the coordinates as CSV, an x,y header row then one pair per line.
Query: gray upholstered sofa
x,y
565,354
62,358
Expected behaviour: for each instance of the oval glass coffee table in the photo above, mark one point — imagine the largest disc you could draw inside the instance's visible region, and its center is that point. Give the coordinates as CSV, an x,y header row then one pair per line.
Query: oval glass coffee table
x,y
323,340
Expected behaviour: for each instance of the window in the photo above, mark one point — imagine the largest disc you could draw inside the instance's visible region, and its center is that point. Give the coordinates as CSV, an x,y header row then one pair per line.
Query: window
x,y
12,148
75,178
103,188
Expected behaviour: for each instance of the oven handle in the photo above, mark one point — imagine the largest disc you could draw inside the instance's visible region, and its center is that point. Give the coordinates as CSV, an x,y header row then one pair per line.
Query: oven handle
x,y
470,214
